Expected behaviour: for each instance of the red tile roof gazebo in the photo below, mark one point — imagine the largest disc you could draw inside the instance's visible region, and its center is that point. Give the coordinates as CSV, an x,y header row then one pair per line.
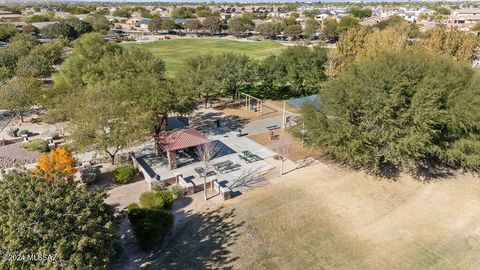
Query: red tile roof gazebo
x,y
180,139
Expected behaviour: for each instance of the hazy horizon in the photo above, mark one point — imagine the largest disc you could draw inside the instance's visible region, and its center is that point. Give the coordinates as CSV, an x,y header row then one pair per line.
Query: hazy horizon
x,y
231,1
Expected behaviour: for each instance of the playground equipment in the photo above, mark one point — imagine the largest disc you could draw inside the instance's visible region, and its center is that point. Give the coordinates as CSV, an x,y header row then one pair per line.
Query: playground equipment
x,y
251,103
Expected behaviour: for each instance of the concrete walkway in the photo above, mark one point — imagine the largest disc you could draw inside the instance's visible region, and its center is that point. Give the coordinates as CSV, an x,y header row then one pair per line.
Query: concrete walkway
x,y
263,125
121,196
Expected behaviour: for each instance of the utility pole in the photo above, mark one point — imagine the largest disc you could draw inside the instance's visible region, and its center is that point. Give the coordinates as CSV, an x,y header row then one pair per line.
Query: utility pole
x,y
283,115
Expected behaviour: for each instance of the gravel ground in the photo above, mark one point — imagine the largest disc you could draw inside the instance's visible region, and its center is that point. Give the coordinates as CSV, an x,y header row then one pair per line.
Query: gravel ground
x,y
13,154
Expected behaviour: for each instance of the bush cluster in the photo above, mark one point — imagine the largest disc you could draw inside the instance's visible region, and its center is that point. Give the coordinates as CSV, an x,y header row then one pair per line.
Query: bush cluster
x,y
149,224
123,174
38,145
89,174
152,220
158,186
178,191
157,199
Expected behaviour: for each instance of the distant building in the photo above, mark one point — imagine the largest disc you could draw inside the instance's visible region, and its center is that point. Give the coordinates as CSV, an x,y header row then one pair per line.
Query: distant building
x,y
41,25
465,16
143,23
8,16
371,21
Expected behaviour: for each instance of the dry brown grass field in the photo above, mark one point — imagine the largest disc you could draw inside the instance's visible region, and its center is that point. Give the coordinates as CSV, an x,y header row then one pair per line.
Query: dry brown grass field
x,y
323,217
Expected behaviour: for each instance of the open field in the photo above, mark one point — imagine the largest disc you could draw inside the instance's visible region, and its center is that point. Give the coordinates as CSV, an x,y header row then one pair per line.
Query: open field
x,y
329,218
175,51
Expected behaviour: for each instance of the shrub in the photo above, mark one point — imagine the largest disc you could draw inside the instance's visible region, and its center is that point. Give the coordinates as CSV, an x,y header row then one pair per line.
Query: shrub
x,y
123,159
12,132
58,164
157,199
36,145
133,206
135,213
150,225
177,191
159,185
55,116
54,135
123,174
89,174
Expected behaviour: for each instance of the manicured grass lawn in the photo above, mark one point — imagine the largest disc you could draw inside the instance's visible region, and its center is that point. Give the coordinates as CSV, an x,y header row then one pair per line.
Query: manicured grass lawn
x,y
175,51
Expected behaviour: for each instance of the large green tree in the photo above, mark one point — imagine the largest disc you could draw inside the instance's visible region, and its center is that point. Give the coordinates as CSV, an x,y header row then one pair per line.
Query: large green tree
x,y
19,94
202,77
239,25
236,72
116,92
293,31
182,13
269,29
329,30
7,31
211,76
99,23
360,13
82,27
311,28
20,45
193,25
59,30
71,227
297,71
346,23
212,24
34,65
155,24
399,109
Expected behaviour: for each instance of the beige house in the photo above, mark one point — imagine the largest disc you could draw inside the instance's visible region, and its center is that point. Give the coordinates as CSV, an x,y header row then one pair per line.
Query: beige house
x,y
465,16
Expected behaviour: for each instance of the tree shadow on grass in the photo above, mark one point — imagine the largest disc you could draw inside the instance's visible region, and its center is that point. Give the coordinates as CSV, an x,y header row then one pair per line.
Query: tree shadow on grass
x,y
202,244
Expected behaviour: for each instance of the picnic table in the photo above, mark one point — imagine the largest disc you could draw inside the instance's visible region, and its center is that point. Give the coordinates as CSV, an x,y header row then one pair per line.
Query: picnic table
x,y
226,166
249,156
221,166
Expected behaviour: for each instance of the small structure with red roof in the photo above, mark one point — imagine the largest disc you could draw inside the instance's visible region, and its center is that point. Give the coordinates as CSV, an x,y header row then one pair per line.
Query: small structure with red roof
x,y
177,140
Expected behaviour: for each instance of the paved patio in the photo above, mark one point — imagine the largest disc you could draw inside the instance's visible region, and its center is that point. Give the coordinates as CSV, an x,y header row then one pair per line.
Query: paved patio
x,y
229,146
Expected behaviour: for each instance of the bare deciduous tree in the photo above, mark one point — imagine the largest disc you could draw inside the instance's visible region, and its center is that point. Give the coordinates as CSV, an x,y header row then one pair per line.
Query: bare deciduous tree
x,y
206,153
